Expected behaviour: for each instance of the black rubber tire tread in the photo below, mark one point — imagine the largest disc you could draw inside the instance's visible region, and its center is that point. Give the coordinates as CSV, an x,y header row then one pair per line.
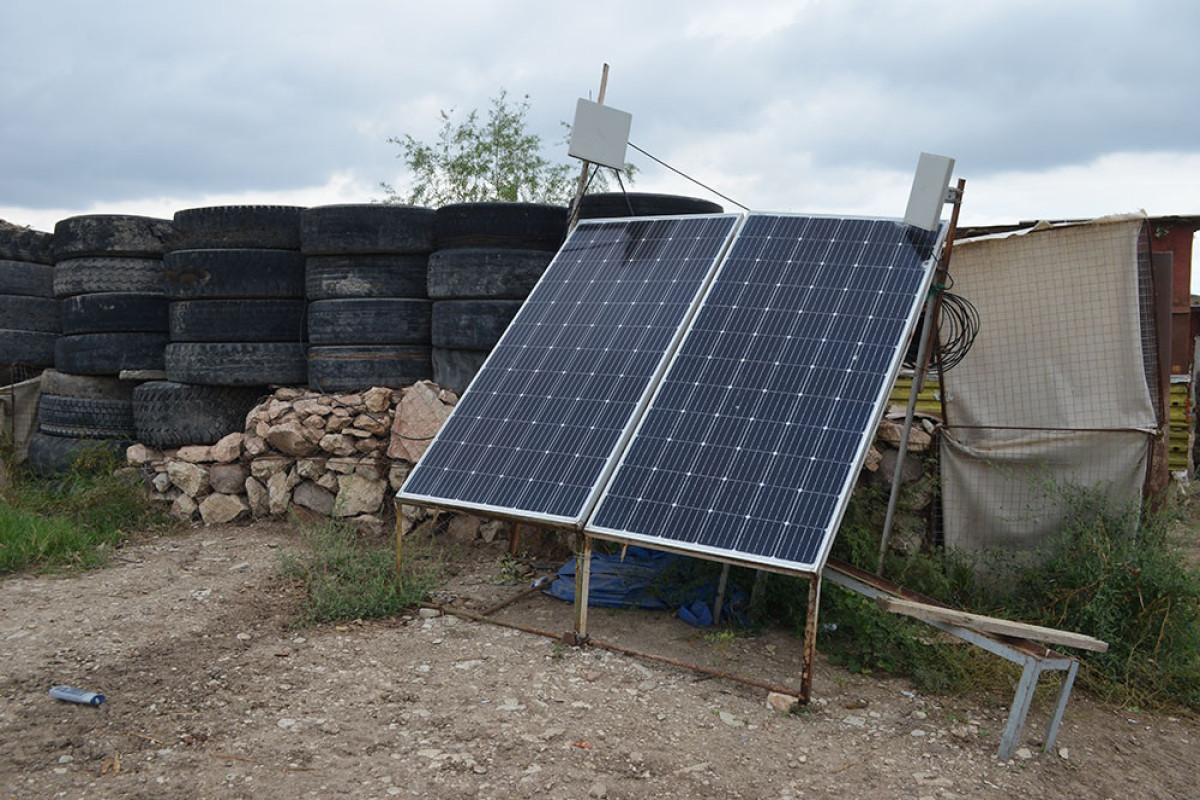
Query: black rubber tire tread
x,y
237,321
529,226
112,235
334,277
26,244
30,313
86,387
95,274
93,419
480,272
454,369
369,320
109,353
471,324
342,368
645,204
366,228
26,278
270,227
55,455
27,347
237,363
169,414
233,273
112,312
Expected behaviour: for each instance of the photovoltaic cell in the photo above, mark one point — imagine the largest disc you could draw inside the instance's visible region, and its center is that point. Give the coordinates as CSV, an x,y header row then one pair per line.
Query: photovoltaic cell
x,y
539,428
753,439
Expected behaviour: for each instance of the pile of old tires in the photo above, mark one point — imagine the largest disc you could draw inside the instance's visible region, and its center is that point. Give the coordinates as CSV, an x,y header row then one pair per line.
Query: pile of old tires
x,y
108,280
488,258
607,205
235,281
365,281
29,322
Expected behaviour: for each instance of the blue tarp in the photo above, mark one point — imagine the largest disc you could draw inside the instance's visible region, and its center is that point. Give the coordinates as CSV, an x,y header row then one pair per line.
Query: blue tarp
x,y
651,579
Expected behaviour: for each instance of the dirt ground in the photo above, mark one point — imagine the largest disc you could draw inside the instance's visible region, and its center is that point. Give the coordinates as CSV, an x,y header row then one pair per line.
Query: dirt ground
x,y
211,693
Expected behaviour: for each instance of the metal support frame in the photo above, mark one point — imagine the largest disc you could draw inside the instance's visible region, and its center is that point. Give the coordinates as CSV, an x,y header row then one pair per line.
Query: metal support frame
x,y
1034,660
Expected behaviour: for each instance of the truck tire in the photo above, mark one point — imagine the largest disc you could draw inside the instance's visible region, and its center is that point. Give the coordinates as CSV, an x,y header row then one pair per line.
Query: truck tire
x,y
168,414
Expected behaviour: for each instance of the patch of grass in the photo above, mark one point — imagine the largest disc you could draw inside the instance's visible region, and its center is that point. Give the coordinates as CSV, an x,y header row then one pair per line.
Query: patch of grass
x,y
347,576
72,521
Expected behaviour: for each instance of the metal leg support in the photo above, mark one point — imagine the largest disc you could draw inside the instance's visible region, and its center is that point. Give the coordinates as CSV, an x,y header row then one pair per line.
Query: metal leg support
x,y
1064,694
810,638
1020,708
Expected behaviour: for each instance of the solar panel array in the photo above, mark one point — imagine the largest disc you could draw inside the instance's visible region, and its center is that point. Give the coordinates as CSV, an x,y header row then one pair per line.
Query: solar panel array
x,y
781,356
754,437
539,427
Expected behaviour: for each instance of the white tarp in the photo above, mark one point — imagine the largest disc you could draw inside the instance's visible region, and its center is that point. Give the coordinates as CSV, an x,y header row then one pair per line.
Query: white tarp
x,y
1060,350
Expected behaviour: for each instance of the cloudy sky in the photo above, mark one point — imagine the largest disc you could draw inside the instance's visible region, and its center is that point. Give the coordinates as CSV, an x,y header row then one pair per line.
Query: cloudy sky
x,y
1052,109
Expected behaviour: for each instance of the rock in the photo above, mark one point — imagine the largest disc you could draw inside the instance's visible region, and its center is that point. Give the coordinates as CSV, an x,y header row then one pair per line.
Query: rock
x,y
343,465
195,454
464,528
229,448
310,495
871,464
310,469
314,422
597,789
781,702
191,479
312,407
276,409
161,482
1024,753
418,417
312,435
258,498
335,424
370,444
367,524
357,433
264,468
397,474
183,508
377,399
448,397
372,424
358,495
227,479
490,531
289,393
918,440
254,445
328,481
370,466
289,438
219,508
139,454
337,444
349,401
279,494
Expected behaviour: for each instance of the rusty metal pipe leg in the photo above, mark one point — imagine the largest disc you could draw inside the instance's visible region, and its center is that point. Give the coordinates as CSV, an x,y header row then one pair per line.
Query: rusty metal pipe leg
x,y
810,638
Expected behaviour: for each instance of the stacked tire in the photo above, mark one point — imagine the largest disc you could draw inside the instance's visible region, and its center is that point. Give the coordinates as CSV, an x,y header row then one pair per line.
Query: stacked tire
x,y
607,205
77,415
489,256
236,286
365,281
29,321
108,276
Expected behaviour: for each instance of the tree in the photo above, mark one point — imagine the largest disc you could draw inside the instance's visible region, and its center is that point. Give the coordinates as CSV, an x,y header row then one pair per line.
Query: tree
x,y
486,159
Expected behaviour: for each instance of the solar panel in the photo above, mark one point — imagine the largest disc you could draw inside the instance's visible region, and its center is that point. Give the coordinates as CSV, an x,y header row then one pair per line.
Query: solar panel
x,y
538,429
754,437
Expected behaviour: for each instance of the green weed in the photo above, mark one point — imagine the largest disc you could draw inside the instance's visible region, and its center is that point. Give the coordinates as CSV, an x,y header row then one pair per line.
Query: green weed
x,y
72,521
346,576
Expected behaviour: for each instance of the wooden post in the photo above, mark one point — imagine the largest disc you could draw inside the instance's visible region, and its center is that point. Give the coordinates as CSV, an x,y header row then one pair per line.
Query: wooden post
x,y
581,185
810,638
400,533
583,575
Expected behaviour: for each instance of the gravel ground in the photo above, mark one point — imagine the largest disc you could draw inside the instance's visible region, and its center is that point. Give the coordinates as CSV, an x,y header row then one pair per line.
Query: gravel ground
x,y
213,693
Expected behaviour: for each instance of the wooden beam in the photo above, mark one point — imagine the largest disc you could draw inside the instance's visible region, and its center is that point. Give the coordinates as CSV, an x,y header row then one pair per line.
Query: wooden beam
x,y
979,622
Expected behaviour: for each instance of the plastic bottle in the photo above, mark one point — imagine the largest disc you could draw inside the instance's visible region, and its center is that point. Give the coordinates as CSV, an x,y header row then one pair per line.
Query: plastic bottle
x,y
73,695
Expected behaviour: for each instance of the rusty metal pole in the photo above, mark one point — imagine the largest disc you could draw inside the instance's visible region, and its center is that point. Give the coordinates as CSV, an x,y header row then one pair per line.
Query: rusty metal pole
x,y
810,638
400,532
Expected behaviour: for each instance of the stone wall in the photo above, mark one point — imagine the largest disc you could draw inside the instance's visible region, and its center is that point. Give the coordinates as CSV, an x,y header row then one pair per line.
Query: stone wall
x,y
336,455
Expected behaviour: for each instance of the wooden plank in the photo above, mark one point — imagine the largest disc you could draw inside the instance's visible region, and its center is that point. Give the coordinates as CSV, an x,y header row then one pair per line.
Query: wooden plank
x,y
979,622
